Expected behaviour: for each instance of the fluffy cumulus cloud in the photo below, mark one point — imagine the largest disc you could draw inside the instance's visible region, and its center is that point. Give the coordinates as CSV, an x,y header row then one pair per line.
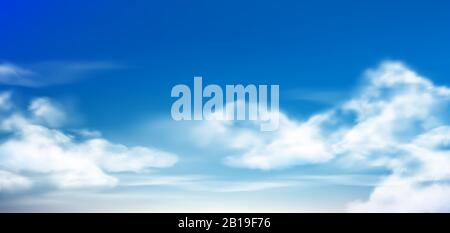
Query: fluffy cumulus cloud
x,y
33,151
292,144
295,143
398,120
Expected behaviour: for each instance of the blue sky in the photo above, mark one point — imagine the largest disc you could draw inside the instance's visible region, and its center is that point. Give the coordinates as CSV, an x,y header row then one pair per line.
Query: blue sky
x,y
318,45
107,67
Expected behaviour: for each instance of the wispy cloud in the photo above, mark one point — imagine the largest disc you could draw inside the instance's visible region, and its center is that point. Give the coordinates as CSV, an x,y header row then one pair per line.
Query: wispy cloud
x,y
226,185
51,72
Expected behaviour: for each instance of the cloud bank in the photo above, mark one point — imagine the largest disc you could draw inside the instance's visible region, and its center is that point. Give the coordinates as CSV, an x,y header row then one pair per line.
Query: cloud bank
x,y
33,151
398,120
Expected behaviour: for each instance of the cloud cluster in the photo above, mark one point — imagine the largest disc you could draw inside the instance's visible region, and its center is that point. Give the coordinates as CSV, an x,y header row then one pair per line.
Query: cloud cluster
x,y
295,143
398,120
33,151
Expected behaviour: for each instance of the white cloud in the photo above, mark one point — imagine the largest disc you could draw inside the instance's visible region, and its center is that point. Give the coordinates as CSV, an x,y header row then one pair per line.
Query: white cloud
x,y
405,130
120,158
295,143
420,181
400,195
64,161
398,121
